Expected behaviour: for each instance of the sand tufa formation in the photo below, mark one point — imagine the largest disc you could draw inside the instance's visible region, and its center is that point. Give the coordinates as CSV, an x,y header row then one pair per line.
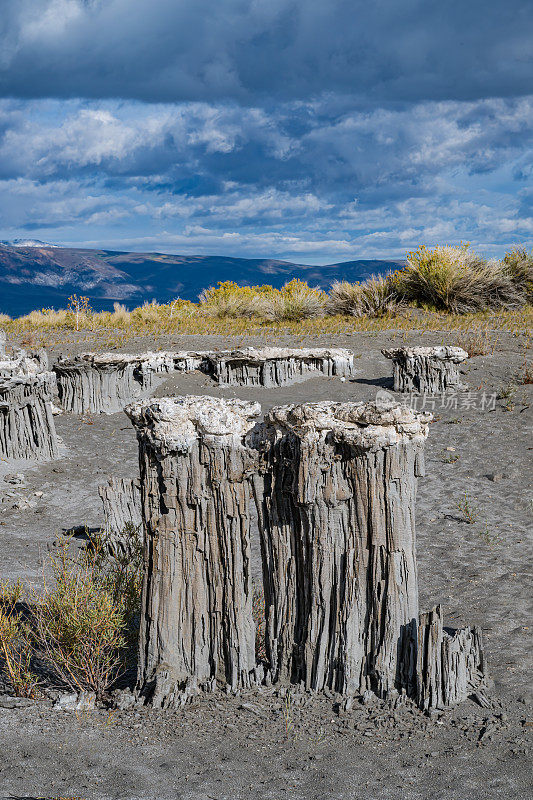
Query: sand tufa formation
x,y
334,486
27,430
426,370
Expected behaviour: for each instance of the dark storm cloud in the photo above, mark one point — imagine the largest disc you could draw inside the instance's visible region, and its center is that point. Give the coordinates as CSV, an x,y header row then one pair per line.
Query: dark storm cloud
x,y
164,50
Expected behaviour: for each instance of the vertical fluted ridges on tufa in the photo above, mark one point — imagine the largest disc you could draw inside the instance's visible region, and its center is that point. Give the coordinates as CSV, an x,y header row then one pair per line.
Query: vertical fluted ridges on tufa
x,y
197,629
334,485
340,537
429,370
277,366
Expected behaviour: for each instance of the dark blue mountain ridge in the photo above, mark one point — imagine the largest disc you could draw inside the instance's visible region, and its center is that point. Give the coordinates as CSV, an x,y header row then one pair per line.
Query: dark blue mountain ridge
x,y
43,276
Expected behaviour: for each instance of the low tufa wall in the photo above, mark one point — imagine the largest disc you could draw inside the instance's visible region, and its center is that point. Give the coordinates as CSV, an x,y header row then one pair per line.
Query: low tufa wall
x,y
108,382
334,485
277,366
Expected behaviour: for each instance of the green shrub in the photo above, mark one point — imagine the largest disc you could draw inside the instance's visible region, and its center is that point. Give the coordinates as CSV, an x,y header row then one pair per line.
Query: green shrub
x,y
81,629
16,651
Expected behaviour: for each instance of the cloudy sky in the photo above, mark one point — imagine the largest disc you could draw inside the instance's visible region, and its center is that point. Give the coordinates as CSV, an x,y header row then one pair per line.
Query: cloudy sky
x,y
312,130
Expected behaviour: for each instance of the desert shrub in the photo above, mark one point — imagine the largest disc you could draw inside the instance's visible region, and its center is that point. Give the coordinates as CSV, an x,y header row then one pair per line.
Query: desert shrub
x,y
120,315
78,628
229,299
518,263
455,279
148,312
179,309
81,629
293,302
373,297
16,651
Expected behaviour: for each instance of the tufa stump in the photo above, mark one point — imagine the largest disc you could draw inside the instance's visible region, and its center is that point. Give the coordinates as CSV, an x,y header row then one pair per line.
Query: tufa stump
x,y
427,370
277,366
121,499
450,666
100,384
339,543
197,470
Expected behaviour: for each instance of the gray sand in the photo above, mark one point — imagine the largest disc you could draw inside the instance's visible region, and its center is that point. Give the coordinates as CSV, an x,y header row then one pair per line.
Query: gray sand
x,y
258,746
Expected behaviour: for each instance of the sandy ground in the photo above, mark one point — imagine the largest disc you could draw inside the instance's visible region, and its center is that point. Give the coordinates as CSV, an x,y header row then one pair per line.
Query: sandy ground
x,y
263,745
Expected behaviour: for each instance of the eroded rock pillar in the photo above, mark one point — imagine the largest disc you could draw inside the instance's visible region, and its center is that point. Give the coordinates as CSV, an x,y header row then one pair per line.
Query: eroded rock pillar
x,y
27,429
277,366
450,665
429,370
339,543
197,471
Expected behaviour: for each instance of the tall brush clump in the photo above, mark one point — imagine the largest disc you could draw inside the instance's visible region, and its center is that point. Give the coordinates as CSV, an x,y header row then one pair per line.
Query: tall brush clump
x,y
78,628
455,279
293,302
374,297
228,299
518,263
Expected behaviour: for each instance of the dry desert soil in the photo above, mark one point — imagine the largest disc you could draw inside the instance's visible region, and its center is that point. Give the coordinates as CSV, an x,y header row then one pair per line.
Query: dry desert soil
x,y
266,745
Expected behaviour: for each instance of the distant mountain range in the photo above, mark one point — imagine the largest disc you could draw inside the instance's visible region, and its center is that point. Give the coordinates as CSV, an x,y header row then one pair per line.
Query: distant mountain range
x,y
36,274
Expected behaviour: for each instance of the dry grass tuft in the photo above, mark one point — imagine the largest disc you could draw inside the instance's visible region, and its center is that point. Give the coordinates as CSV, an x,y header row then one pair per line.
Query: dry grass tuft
x,y
374,297
477,342
519,265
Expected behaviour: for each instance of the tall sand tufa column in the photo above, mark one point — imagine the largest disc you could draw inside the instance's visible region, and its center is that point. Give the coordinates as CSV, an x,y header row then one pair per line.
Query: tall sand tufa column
x,y
196,629
339,543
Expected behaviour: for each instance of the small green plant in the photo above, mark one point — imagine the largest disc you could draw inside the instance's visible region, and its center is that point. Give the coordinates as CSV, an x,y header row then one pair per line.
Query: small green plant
x,y
469,511
489,537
